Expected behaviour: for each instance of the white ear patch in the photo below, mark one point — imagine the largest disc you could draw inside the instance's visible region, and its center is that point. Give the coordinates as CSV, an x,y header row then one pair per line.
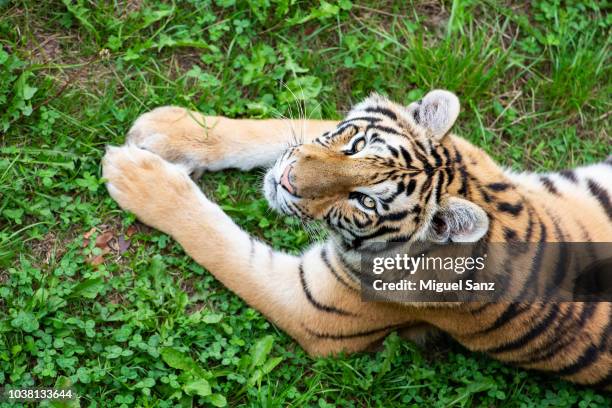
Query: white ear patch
x,y
459,220
437,112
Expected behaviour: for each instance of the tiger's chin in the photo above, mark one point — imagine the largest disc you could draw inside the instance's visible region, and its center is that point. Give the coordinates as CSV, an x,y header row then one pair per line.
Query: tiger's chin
x,y
270,190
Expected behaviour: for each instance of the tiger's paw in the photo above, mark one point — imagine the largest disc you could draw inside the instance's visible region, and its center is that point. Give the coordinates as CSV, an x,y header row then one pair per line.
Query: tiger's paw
x,y
156,191
179,136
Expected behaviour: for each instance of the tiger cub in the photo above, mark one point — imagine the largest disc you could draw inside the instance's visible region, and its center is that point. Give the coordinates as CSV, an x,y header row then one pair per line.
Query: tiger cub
x,y
386,173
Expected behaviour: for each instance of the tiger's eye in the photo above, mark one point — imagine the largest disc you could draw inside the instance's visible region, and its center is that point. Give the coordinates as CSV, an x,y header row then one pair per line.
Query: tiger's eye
x,y
368,202
359,145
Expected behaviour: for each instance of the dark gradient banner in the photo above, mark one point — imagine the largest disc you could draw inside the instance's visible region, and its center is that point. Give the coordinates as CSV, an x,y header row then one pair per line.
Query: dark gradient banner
x,y
493,272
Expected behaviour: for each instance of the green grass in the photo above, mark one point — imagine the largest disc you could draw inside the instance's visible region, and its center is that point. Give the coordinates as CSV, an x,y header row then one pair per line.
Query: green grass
x,y
147,326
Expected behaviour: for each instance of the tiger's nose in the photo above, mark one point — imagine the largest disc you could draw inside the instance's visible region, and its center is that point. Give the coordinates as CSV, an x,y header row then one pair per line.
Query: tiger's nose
x,y
285,179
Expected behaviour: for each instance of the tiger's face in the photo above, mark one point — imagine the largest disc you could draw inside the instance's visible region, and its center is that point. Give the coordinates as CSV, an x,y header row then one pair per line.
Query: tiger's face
x,y
381,175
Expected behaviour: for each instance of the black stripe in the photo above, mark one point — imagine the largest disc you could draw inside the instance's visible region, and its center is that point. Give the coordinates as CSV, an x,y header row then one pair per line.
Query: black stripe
x,y
563,261
601,195
401,187
410,187
536,263
481,307
386,129
329,266
530,224
357,223
450,172
437,158
587,311
343,126
481,190
463,191
547,351
530,335
458,155
514,209
439,184
393,151
498,186
331,336
550,186
406,156
510,234
370,119
556,337
316,304
426,185
427,168
394,216
375,138
428,194
586,359
383,111
569,174
447,157
421,146
511,312
381,231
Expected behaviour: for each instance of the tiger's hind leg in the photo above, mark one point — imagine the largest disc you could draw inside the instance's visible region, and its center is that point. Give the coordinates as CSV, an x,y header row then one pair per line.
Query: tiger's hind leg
x,y
209,143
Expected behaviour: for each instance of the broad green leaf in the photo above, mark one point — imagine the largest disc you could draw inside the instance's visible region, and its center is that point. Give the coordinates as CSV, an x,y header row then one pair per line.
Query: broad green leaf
x,y
28,91
151,16
199,387
88,289
271,364
217,400
260,351
177,359
212,318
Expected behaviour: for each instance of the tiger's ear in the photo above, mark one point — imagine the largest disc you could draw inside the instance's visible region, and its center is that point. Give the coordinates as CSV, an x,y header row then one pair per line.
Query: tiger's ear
x,y
436,112
458,220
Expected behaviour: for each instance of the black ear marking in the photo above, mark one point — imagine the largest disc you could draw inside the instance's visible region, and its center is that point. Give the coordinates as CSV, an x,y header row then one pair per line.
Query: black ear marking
x,y
439,225
415,115
458,220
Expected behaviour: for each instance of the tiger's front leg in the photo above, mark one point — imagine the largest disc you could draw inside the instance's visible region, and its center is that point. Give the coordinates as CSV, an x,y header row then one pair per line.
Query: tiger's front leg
x,y
302,295
209,143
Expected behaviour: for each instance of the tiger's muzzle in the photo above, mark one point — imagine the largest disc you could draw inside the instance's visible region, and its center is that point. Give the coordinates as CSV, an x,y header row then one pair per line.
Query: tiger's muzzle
x,y
314,171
